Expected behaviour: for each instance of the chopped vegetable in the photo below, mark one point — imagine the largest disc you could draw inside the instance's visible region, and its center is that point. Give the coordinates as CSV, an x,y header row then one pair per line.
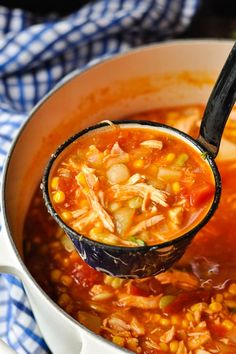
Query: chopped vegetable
x,y
181,159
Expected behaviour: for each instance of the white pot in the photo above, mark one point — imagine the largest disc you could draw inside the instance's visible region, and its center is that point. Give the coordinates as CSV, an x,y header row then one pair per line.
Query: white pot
x,y
170,74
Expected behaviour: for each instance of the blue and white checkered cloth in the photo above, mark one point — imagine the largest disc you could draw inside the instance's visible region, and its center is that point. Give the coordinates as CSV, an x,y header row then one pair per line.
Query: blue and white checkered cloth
x,y
35,53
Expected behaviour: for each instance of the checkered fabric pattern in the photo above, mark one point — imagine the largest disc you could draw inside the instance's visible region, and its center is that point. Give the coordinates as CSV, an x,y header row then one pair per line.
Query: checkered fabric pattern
x,y
35,53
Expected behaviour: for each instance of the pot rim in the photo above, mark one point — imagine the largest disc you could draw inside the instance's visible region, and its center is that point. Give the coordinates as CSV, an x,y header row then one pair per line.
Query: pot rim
x,y
70,76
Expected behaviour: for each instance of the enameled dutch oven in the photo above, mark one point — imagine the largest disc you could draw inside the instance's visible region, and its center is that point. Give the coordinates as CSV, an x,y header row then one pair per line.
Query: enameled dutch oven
x,y
170,74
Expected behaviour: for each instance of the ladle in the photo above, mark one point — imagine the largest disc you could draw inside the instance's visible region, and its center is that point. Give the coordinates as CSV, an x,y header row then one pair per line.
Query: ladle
x,y
143,261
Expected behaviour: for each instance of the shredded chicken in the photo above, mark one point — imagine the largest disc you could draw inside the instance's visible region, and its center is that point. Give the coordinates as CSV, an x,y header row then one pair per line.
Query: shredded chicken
x,y
95,204
151,344
198,340
85,220
79,212
145,201
97,207
141,302
143,225
176,215
94,156
125,192
202,351
182,348
154,144
91,178
137,327
116,326
117,155
136,178
183,280
168,335
116,149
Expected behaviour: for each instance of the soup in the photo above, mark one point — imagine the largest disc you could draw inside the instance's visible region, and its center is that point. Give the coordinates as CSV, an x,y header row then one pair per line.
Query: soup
x,y
191,308
131,186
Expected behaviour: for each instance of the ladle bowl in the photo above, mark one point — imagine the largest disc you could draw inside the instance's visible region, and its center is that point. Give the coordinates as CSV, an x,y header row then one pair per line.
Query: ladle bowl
x,y
132,262
137,262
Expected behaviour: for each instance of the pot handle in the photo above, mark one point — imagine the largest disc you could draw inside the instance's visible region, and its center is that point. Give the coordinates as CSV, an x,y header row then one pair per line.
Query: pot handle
x,y
8,259
4,348
6,266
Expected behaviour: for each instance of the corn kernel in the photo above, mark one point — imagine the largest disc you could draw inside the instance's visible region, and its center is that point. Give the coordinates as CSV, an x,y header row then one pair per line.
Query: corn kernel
x,y
198,306
108,279
228,324
231,304
185,323
55,182
118,340
66,215
219,297
156,317
165,322
66,280
59,197
176,187
215,306
69,308
189,317
65,262
64,300
83,203
226,295
232,289
164,347
138,163
175,320
117,282
55,275
174,345
81,179
170,157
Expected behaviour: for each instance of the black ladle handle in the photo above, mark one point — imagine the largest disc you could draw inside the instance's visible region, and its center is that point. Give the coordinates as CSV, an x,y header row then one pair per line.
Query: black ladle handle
x,y
219,106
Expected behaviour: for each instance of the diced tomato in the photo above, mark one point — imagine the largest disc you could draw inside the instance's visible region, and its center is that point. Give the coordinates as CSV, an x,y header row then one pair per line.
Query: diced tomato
x,y
85,275
145,288
217,330
155,286
137,291
201,194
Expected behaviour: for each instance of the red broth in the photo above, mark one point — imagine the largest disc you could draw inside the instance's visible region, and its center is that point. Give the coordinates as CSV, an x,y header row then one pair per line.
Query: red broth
x,y
131,186
190,309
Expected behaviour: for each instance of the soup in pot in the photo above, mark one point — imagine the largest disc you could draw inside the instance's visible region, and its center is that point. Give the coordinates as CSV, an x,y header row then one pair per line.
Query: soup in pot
x,y
189,309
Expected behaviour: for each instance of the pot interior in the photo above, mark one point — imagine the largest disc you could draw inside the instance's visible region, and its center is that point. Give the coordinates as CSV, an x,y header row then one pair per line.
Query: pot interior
x,y
141,80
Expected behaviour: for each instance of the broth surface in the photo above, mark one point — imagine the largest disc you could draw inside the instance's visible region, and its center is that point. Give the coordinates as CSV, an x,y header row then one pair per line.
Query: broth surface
x,y
131,186
190,309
